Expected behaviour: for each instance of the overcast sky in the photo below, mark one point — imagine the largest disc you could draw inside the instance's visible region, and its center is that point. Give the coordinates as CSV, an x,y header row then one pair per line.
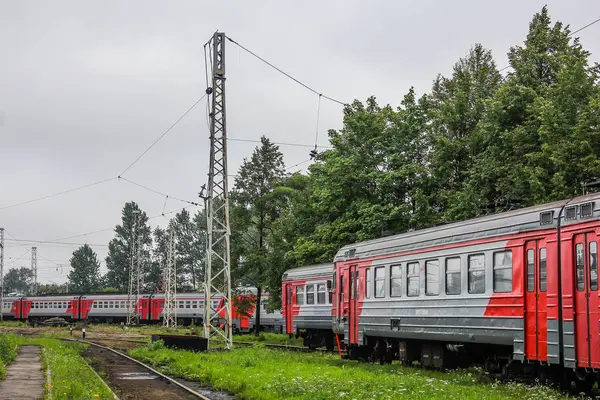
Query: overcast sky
x,y
86,86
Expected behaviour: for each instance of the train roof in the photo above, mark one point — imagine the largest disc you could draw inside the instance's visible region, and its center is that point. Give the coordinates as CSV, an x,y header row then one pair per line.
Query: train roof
x,y
309,271
506,223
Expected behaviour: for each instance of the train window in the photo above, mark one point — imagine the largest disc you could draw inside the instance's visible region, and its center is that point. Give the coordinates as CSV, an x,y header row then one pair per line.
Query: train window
x,y
412,279
380,282
180,304
299,295
341,288
432,278
395,281
194,304
453,275
543,269
593,266
310,294
60,304
530,270
579,266
368,287
111,304
321,293
476,274
503,272
188,304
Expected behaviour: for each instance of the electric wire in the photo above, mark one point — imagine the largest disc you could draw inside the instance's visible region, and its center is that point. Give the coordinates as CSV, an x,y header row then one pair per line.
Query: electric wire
x,y
157,192
284,73
162,135
58,194
277,143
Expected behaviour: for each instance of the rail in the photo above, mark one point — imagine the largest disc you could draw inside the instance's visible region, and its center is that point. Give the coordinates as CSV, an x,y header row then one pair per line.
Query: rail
x,y
149,368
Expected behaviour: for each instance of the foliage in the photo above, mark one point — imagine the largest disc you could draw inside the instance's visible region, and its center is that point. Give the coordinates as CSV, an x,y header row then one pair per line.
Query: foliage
x,y
8,351
255,373
51,288
85,270
118,262
18,280
256,206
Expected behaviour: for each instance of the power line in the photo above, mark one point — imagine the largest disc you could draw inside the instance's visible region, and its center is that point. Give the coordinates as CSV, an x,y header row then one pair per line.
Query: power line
x,y
58,194
159,193
570,34
277,143
163,135
21,241
284,73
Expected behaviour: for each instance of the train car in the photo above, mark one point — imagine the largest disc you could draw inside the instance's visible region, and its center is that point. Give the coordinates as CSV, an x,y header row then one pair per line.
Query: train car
x,y
306,304
107,307
189,308
40,308
517,291
11,308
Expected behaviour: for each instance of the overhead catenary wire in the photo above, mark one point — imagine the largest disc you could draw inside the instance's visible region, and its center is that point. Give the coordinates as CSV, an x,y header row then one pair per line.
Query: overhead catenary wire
x,y
58,193
162,135
277,143
159,193
284,73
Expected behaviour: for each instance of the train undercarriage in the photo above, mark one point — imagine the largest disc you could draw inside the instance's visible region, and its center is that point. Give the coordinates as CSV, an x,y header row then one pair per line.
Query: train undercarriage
x,y
495,361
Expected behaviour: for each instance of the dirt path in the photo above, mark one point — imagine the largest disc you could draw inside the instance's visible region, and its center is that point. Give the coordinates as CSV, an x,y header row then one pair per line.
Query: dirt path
x,y
24,378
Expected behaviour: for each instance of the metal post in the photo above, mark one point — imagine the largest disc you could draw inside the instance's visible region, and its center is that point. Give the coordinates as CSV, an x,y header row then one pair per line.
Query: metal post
x,y
217,277
132,298
34,269
170,310
2,274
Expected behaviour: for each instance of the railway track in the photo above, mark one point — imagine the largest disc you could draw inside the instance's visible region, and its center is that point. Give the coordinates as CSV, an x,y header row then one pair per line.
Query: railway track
x,y
131,379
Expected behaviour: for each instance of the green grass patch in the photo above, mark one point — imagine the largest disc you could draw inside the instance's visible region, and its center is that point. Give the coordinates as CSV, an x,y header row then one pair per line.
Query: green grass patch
x,y
14,324
260,373
269,338
8,351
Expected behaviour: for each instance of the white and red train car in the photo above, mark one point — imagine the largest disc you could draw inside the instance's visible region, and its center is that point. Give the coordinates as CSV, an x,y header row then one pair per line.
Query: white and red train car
x,y
109,307
306,304
516,290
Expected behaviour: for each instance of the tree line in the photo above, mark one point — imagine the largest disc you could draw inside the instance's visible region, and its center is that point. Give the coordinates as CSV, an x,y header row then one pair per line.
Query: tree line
x,y
477,143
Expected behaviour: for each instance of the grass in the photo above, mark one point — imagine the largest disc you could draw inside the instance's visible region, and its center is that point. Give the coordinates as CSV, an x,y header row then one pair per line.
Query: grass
x,y
14,324
8,352
269,338
264,374
71,377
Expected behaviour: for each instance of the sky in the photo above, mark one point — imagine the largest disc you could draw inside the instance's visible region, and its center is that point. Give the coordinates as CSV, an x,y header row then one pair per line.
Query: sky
x,y
86,87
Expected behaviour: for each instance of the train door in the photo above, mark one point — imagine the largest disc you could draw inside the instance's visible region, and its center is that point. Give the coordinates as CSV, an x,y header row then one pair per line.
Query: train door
x,y
349,279
587,343
289,323
536,312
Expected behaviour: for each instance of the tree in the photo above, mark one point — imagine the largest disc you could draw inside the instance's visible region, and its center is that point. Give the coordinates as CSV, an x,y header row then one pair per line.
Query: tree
x,y
85,270
118,262
19,280
52,288
256,205
189,249
540,135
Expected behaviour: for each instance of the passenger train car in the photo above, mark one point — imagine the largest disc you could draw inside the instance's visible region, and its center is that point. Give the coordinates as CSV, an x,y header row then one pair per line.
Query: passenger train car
x,y
517,291
109,307
306,304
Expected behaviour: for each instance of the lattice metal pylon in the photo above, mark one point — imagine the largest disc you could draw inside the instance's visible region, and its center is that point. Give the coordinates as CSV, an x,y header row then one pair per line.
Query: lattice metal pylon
x,y
133,316
217,276
170,310
1,274
34,269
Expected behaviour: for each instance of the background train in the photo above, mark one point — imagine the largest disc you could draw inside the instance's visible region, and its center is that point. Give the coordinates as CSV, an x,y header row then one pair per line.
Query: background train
x,y
110,308
516,291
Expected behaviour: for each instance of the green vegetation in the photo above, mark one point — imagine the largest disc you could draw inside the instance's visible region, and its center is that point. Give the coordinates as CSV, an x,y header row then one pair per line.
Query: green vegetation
x,y
70,376
263,374
269,338
14,324
8,352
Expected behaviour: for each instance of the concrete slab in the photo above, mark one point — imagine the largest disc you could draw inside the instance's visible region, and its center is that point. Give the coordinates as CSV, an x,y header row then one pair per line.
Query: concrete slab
x,y
24,378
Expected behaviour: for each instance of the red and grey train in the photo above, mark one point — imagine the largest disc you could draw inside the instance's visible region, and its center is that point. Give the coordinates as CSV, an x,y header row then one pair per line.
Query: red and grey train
x,y
111,308
517,291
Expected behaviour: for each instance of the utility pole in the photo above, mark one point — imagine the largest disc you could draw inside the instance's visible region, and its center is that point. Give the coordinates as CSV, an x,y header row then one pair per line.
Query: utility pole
x,y
34,268
132,295
2,274
170,310
217,277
